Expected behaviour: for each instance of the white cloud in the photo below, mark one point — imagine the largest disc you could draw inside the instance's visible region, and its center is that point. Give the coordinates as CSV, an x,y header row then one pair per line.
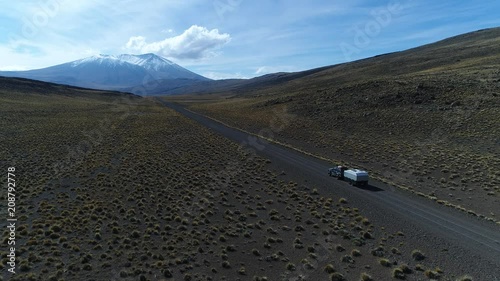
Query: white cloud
x,y
168,30
221,75
136,43
195,43
273,69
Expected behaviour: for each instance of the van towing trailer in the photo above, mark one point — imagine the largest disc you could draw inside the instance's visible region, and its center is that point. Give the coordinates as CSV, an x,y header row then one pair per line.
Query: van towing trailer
x,y
352,176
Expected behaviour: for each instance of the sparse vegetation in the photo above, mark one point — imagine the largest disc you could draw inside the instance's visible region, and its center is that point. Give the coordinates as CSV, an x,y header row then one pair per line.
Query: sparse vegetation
x,y
127,208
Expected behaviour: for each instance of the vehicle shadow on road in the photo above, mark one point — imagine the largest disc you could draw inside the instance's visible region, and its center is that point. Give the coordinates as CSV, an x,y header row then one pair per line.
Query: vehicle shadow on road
x,y
371,188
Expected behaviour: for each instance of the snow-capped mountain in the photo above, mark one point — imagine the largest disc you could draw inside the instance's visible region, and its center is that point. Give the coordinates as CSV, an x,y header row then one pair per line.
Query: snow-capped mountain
x,y
147,61
107,72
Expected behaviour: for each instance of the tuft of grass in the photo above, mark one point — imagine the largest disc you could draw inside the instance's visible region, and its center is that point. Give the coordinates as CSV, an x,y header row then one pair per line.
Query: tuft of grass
x,y
366,277
398,274
24,267
405,268
290,266
347,259
226,264
419,267
329,268
337,276
385,262
417,255
356,253
339,248
255,252
431,274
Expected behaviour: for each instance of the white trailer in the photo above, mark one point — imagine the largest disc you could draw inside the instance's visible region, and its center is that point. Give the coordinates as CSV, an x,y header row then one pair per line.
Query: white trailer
x,y
356,177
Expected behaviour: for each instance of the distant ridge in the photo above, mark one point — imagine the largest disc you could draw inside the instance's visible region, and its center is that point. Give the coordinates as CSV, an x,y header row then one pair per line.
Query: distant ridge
x,y
109,72
467,55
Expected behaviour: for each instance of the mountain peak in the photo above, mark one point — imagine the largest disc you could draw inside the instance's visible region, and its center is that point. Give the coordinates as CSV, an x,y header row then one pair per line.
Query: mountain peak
x,y
149,61
145,60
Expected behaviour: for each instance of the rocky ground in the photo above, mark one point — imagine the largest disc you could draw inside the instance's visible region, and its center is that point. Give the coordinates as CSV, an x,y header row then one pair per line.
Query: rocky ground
x,y
113,188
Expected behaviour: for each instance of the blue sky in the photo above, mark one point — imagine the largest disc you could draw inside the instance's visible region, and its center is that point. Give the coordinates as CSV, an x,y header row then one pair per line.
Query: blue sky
x,y
230,38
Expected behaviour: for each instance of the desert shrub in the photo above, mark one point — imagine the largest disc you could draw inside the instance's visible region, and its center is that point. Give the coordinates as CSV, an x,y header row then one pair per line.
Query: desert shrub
x,y
432,274
378,252
329,268
226,264
366,277
355,253
367,235
405,268
385,262
417,255
347,259
395,250
290,266
337,276
339,248
398,274
25,266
